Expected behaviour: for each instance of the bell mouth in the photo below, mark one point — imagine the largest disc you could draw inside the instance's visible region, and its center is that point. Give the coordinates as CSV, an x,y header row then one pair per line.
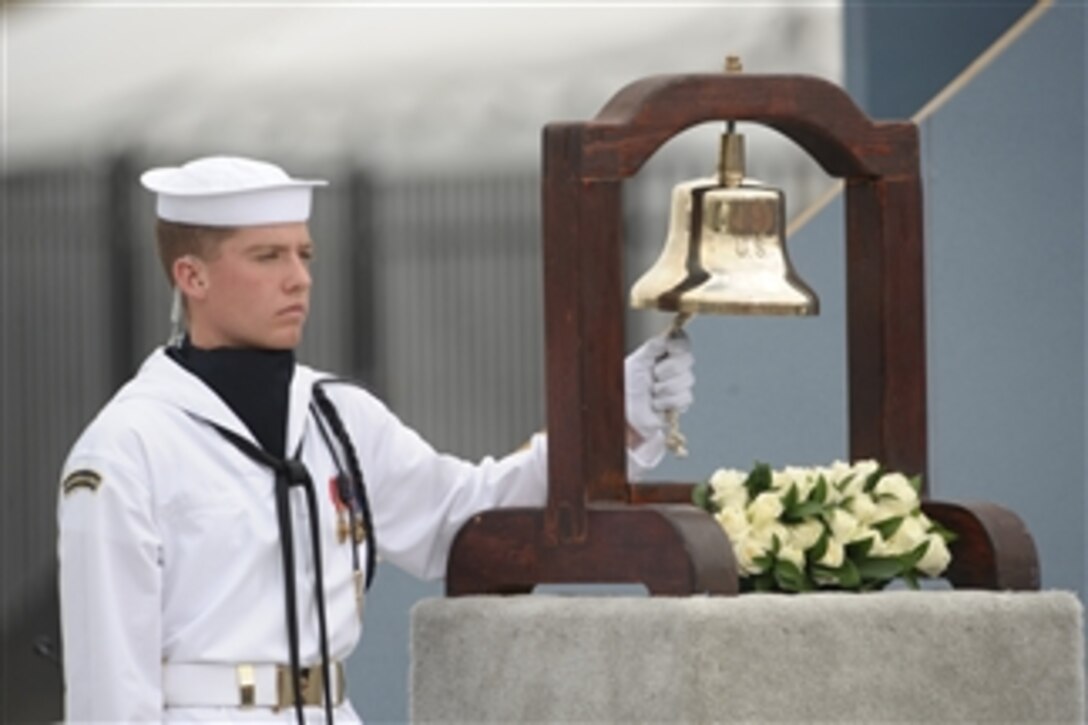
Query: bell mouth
x,y
718,298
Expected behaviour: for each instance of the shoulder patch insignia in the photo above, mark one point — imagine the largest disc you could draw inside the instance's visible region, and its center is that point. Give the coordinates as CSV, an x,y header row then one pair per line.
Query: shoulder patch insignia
x,y
83,478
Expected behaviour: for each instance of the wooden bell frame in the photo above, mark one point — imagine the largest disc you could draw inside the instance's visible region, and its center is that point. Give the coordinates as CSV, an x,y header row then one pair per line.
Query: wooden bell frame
x,y
599,528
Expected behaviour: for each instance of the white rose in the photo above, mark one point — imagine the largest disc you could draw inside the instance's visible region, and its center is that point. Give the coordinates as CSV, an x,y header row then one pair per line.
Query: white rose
x,y
838,471
844,527
727,477
802,478
792,554
834,495
889,508
781,481
936,558
880,547
727,488
866,468
805,534
767,532
858,474
747,550
897,496
863,507
898,485
907,537
766,508
734,522
834,556
835,475
854,486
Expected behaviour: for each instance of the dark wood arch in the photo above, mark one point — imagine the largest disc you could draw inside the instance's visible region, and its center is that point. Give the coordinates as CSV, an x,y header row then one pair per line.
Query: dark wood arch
x,y
575,537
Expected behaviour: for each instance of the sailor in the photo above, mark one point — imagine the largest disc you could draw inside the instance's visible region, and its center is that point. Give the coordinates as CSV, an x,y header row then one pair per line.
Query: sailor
x,y
220,516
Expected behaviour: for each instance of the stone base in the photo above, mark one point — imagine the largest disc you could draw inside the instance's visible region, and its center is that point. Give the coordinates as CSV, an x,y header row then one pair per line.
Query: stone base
x,y
935,656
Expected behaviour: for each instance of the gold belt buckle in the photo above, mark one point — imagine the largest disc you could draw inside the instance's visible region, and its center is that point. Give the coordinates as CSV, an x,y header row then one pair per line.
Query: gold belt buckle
x,y
247,685
311,685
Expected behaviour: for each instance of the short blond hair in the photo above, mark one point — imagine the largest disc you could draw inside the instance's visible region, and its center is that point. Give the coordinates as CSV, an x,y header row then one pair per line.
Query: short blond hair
x,y
176,240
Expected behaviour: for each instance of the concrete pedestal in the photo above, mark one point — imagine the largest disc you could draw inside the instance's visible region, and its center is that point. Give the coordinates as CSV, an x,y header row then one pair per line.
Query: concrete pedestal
x,y
936,656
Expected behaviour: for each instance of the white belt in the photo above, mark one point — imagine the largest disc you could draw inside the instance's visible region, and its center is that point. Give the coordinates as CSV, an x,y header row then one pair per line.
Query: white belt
x,y
223,685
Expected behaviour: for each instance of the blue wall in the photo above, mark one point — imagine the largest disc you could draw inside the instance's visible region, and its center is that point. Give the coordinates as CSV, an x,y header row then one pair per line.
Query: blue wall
x,y
899,54
1005,229
1005,196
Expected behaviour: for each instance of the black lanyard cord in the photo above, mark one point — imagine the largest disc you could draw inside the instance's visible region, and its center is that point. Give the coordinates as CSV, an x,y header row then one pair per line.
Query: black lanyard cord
x,y
345,493
289,473
327,409
287,549
319,587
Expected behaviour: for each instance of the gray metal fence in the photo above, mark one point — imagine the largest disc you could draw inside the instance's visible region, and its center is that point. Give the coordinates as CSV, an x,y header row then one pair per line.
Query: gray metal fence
x,y
56,370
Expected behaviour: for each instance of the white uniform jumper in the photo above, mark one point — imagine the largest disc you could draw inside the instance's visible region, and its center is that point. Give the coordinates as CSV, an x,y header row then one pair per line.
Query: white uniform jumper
x,y
170,553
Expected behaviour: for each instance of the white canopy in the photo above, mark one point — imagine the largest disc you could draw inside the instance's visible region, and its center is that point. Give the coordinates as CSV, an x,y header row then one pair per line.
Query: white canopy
x,y
396,85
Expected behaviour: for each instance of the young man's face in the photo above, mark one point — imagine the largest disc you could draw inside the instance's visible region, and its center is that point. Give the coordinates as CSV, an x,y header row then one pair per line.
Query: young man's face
x,y
255,290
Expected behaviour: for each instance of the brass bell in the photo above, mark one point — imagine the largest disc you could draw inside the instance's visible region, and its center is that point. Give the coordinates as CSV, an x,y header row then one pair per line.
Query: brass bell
x,y
725,252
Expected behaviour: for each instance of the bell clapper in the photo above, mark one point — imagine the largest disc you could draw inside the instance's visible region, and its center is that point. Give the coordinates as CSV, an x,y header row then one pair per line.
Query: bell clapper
x,y
676,441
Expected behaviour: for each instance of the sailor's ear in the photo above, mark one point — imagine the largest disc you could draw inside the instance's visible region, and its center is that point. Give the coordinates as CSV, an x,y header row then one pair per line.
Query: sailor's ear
x,y
190,276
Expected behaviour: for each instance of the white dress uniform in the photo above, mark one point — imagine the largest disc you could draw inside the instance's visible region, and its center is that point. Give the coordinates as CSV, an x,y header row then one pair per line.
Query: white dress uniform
x,y
172,576
169,540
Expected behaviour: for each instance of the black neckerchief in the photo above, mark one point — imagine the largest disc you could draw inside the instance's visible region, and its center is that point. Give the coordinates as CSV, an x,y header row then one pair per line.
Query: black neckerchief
x,y
253,382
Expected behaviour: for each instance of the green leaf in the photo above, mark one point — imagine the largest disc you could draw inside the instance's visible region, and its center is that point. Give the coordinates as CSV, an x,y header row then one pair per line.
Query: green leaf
x,y
764,582
758,481
845,576
880,568
911,558
818,549
911,577
819,492
873,585
789,578
888,527
841,485
857,550
947,534
871,481
916,483
824,576
789,501
849,576
802,511
700,496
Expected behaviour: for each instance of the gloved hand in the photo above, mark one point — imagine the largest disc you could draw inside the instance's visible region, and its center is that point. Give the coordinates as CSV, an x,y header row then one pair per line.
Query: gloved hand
x,y
657,377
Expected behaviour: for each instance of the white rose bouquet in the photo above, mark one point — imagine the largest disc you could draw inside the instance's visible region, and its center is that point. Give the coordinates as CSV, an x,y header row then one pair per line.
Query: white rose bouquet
x,y
852,527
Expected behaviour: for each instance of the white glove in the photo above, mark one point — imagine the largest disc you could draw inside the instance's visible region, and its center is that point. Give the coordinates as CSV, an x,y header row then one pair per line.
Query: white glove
x,y
657,377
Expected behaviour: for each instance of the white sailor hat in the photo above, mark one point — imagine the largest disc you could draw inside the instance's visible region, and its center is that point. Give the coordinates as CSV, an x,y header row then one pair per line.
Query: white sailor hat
x,y
229,191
